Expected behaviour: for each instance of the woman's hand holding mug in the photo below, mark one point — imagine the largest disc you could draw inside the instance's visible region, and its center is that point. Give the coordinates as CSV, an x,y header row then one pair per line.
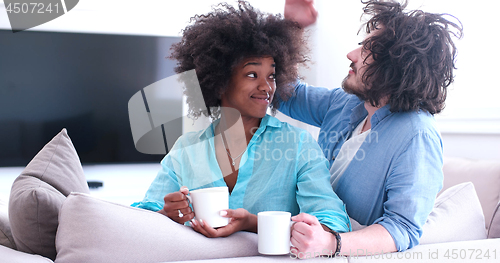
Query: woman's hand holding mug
x,y
177,206
240,219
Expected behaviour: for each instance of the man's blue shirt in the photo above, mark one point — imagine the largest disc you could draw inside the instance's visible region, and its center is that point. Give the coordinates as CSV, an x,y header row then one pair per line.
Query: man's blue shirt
x,y
396,174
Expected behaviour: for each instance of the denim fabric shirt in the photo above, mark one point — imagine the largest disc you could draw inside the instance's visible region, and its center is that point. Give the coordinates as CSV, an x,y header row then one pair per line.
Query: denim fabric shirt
x,y
396,174
282,169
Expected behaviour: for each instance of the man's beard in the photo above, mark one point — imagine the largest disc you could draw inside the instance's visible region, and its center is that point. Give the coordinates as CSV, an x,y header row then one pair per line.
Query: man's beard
x,y
355,90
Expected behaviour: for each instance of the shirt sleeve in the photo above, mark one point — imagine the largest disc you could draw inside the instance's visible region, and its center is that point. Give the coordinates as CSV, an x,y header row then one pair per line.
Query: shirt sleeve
x,y
314,193
165,182
411,188
309,104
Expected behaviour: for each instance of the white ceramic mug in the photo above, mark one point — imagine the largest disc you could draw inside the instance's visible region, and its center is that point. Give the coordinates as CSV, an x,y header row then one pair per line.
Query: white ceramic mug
x,y
207,204
273,229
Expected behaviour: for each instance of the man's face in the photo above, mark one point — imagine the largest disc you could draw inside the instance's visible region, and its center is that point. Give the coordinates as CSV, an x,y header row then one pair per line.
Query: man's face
x,y
359,58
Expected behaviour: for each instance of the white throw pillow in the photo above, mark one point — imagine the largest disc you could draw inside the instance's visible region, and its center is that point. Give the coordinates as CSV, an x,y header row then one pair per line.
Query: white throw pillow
x,y
457,216
94,230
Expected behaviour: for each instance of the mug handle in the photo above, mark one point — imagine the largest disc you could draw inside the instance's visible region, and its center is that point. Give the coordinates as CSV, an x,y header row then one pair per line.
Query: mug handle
x,y
291,226
190,201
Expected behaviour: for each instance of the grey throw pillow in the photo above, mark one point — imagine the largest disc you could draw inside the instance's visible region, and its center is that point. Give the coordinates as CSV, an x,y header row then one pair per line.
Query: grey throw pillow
x,y
38,193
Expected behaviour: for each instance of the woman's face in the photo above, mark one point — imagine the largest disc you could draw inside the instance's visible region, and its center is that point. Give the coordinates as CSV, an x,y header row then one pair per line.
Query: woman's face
x,y
251,87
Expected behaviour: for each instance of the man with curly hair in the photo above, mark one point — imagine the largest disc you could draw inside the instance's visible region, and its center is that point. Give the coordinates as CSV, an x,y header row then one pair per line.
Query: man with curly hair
x,y
242,58
378,132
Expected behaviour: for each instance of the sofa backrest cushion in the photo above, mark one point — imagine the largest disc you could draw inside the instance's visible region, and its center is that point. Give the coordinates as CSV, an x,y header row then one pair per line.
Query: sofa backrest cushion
x,y
38,193
494,231
94,230
485,175
456,216
6,238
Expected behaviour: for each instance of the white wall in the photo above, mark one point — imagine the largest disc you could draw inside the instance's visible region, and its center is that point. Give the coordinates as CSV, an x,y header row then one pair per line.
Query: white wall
x,y
471,122
145,17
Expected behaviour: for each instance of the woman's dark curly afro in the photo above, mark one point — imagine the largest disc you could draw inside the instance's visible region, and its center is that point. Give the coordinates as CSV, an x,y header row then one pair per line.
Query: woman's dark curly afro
x,y
215,43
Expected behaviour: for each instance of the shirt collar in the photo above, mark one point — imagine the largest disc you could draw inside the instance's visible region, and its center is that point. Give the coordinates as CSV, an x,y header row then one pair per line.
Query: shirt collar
x,y
267,121
380,114
270,121
209,131
359,113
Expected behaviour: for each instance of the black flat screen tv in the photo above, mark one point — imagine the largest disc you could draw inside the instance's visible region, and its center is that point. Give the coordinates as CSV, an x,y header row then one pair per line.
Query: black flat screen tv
x,y
78,81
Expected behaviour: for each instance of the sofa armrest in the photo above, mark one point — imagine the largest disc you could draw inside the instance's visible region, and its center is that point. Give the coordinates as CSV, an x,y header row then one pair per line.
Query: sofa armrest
x,y
6,238
95,230
494,231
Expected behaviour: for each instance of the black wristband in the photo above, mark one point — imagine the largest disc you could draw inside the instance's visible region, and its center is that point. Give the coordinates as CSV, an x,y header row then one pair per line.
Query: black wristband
x,y
339,242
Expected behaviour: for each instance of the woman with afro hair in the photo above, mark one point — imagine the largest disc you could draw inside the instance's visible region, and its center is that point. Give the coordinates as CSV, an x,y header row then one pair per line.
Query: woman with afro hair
x,y
242,59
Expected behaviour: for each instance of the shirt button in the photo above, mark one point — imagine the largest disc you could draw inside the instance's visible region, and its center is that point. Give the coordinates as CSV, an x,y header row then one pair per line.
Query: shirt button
x,y
333,158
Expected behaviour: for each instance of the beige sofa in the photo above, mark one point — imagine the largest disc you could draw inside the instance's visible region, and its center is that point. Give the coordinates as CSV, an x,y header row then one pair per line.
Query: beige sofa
x,y
52,217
